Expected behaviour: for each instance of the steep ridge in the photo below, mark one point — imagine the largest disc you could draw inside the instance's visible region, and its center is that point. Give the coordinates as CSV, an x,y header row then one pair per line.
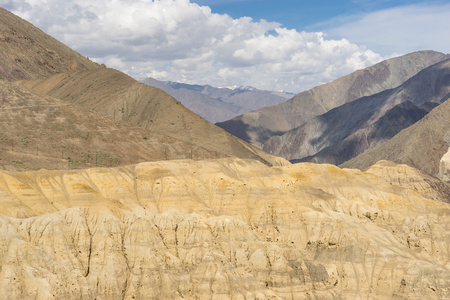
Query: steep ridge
x,y
258,126
118,96
218,104
28,53
44,132
399,117
218,229
367,121
421,145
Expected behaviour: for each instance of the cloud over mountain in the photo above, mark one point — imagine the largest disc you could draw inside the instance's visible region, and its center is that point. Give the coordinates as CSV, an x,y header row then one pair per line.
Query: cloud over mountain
x,y
182,41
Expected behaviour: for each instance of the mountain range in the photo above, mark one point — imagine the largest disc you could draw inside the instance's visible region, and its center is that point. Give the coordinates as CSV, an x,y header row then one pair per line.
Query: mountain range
x,y
258,126
350,129
219,104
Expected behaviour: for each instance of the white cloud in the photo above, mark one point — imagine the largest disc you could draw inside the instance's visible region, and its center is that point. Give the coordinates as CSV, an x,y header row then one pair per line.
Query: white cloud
x,y
398,30
181,41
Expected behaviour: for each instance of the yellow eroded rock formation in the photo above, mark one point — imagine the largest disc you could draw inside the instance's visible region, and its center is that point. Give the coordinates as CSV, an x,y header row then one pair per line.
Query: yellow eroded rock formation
x,y
220,229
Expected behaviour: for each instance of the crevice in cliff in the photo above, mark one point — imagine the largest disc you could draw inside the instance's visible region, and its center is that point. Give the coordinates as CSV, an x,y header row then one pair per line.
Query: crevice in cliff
x,y
89,256
124,290
90,245
162,237
176,239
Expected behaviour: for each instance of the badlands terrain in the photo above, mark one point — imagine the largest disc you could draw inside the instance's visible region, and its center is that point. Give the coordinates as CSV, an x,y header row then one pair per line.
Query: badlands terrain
x,y
223,229
111,189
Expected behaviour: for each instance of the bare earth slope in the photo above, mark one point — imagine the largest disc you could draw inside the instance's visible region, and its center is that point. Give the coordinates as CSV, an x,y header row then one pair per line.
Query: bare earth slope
x,y
421,145
118,96
44,132
28,53
354,127
258,126
220,229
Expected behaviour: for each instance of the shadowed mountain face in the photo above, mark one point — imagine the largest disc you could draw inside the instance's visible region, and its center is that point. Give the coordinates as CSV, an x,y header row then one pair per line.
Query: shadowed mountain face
x,y
218,104
28,53
421,145
258,126
399,117
118,96
346,131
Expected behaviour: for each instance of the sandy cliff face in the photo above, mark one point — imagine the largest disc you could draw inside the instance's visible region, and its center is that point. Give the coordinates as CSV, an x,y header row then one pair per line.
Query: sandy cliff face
x,y
220,229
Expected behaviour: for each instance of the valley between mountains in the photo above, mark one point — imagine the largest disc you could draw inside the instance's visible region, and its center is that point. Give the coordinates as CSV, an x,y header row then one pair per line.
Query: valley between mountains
x,y
113,189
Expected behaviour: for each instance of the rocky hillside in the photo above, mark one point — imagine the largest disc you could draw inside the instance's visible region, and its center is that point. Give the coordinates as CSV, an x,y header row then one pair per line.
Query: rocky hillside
x,y
349,130
44,132
184,229
258,126
28,53
218,104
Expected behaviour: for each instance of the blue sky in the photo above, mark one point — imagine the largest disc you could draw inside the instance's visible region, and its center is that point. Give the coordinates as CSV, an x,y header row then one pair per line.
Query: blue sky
x,y
289,45
296,14
324,15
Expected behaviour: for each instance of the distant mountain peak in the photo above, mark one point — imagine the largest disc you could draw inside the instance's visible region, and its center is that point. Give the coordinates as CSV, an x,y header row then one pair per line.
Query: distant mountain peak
x,y
217,104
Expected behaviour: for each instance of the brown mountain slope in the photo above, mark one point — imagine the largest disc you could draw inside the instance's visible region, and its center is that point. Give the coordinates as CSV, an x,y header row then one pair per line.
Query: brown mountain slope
x,y
354,127
116,95
44,132
28,53
259,125
421,145
219,229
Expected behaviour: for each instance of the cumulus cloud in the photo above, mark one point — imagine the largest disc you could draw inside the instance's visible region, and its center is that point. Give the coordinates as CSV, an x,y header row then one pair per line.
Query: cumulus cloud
x,y
401,29
182,41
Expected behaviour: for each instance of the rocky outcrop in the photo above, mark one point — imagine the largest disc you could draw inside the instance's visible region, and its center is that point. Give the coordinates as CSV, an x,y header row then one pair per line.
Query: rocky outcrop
x,y
220,229
444,167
